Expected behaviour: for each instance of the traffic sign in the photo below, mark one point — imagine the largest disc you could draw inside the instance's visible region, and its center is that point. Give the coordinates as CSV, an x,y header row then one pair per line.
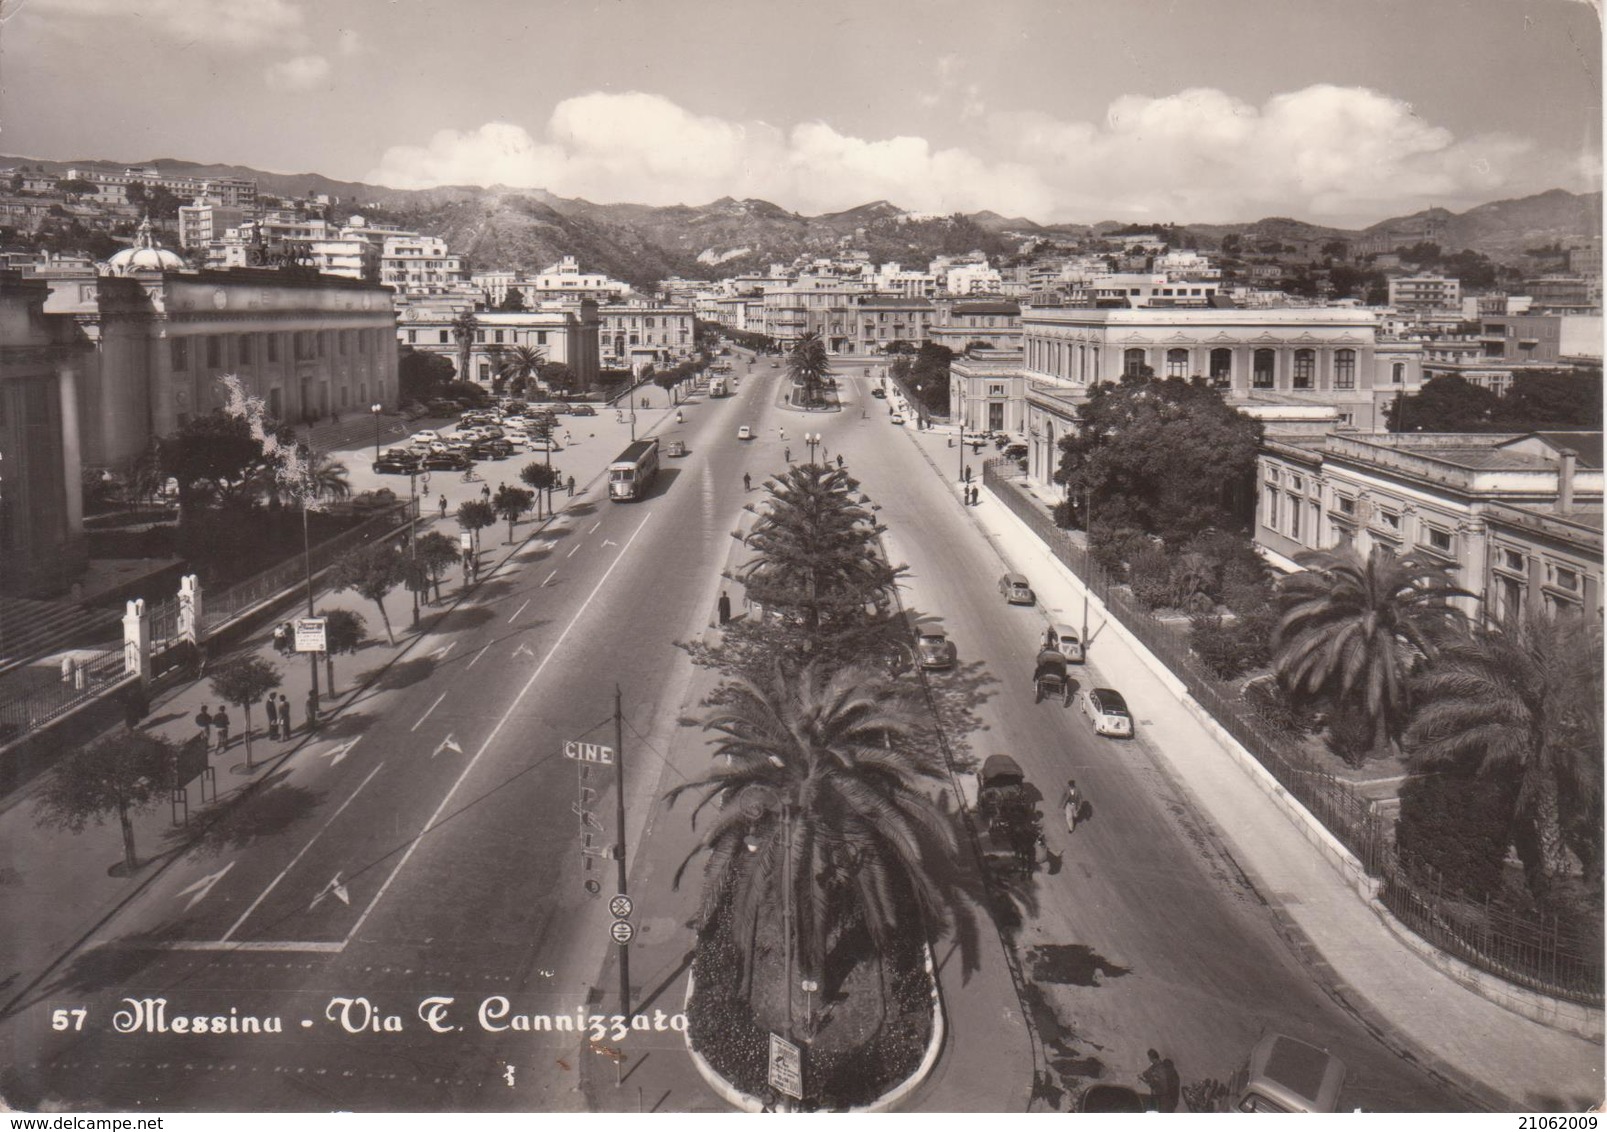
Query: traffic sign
x,y
621,907
786,1067
589,752
622,931
310,634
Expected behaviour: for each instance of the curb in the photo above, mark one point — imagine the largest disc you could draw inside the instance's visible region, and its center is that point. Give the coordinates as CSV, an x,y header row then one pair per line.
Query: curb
x,y
747,1102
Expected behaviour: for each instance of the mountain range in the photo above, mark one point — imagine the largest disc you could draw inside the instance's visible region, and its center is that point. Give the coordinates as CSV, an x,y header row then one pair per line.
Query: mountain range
x,y
528,229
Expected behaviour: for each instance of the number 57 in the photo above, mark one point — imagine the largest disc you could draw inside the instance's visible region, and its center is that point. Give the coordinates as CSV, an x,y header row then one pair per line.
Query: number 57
x,y
59,1019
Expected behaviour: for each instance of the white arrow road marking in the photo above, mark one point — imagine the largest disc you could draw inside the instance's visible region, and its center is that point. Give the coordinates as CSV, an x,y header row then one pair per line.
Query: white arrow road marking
x,y
427,711
450,743
272,885
485,746
523,650
337,888
339,751
444,651
204,886
518,611
609,542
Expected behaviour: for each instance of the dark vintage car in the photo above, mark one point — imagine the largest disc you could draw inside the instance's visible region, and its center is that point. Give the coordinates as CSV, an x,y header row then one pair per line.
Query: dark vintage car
x,y
582,410
448,461
397,462
493,449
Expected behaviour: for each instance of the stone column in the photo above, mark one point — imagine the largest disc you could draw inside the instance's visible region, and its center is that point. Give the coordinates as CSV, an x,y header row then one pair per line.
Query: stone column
x,y
137,641
71,452
190,626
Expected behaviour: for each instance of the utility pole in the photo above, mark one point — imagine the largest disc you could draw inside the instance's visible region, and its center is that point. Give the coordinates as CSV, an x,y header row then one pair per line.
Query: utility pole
x,y
619,847
1088,557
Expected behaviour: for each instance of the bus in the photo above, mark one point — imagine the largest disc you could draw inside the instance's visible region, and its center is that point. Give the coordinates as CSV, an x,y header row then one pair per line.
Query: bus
x,y
631,474
717,387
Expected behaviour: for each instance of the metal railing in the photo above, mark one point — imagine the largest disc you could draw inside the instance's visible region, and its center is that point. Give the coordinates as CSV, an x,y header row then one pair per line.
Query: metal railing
x,y
34,695
1522,951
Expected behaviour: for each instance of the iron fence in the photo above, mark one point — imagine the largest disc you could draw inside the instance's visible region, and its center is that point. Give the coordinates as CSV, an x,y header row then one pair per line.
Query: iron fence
x,y
1505,944
33,695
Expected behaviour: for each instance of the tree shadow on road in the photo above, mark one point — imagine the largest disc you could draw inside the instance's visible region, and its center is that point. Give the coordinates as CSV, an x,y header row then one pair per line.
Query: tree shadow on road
x,y
272,807
402,674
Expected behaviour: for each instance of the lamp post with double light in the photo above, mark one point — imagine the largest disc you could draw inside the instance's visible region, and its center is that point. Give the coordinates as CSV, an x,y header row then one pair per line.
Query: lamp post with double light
x,y
812,439
376,408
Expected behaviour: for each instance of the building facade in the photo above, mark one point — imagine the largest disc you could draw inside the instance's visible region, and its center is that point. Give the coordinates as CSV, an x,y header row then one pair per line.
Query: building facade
x,y
638,332
1424,293
957,324
566,333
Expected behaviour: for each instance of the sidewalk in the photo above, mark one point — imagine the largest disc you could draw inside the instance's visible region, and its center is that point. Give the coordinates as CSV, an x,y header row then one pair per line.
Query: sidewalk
x,y
1498,1057
59,887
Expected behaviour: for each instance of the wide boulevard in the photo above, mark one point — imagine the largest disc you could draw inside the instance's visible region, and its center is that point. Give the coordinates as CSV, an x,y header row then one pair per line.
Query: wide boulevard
x,y
411,889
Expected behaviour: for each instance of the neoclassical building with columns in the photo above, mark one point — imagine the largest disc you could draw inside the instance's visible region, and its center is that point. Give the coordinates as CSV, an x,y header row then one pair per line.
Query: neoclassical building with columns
x,y
1296,356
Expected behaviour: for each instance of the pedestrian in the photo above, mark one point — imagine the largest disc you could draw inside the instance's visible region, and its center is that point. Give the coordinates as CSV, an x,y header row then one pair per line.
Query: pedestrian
x,y
566,438
968,473
1161,1077
747,482
203,720
839,460
220,720
443,506
783,433
1071,804
571,485
725,608
501,487
272,707
976,495
485,491
1049,641
284,717
312,711
789,453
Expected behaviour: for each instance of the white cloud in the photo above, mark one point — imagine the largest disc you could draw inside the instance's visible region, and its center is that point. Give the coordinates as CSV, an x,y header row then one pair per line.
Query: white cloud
x,y
225,23
304,72
1325,153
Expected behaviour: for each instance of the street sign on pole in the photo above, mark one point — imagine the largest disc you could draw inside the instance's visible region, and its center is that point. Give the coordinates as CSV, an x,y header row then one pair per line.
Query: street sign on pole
x,y
621,907
622,932
311,634
786,1067
466,541
589,752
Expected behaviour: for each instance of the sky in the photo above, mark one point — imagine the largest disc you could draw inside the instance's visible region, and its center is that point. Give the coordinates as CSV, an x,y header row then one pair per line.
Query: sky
x,y
1340,112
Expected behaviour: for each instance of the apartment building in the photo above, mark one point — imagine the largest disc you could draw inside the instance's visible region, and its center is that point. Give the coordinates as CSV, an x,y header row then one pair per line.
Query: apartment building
x,y
564,332
1412,293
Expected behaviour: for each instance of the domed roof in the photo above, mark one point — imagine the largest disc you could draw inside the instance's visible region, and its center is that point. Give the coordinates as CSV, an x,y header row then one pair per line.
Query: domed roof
x,y
145,255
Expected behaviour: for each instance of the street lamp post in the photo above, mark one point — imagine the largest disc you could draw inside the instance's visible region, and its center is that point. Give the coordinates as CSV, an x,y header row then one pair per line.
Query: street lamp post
x,y
306,557
376,408
1088,557
412,536
812,439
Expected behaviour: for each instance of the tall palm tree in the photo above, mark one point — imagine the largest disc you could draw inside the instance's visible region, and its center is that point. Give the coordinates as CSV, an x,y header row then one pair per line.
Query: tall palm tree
x,y
1523,697
329,478
522,363
820,780
464,329
808,365
1352,628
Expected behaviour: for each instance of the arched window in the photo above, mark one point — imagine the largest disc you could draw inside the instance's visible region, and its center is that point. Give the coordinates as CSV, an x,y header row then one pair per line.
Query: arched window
x,y
1221,368
1177,363
1344,369
1132,362
1265,367
1305,368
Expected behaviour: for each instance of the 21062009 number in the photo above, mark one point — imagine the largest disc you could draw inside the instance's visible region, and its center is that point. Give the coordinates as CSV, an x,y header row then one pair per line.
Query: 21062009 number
x,y
1547,1123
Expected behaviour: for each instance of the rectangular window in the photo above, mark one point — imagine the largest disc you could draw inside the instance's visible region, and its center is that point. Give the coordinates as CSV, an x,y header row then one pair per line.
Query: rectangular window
x,y
244,347
445,337
1270,519
541,337
1439,540
412,337
214,351
273,347
1345,369
1390,519
498,335
1346,505
1294,517
1513,560
1567,579
179,353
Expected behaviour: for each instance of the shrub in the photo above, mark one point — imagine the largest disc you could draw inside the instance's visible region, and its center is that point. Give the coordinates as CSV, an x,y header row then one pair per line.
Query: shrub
x,y
1279,712
1460,826
1149,573
1217,645
1350,735
1112,547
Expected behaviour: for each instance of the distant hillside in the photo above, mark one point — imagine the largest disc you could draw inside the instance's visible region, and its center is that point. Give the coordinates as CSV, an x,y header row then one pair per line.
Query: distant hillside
x,y
527,229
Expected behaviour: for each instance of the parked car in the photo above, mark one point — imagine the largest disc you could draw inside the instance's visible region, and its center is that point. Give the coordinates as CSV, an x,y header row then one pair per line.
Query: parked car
x,y
397,462
878,391
1016,591
898,418
1068,643
675,448
581,409
933,649
1110,1098
1106,709
544,444
425,436
447,461
1284,1074
495,449
744,433
1015,450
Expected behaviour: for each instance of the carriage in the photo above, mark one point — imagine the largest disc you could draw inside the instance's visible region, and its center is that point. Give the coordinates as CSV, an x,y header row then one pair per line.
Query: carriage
x,y
1051,678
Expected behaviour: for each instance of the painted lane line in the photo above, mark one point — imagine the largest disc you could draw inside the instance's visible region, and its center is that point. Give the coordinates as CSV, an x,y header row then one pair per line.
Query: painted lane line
x,y
478,655
275,882
518,611
572,550
594,528
550,577
336,946
497,730
427,711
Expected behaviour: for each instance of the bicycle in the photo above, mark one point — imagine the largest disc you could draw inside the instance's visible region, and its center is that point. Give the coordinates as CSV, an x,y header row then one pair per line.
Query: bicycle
x,y
469,475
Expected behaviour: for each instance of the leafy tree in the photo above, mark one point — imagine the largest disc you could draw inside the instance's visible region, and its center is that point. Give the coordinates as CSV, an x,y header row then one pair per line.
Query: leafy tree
x,y
243,683
1170,457
496,358
829,772
1523,698
466,391
520,363
213,456
1352,628
540,476
1459,824
464,328
344,632
928,377
1447,403
512,504
1552,399
667,380
76,186
808,366
126,773
474,516
437,553
559,378
421,375
373,571
514,300
162,203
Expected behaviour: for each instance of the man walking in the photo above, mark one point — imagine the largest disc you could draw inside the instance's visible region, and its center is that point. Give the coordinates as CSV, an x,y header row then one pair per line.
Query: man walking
x,y
284,717
443,506
312,710
272,707
220,720
203,720
1161,1077
571,487
725,608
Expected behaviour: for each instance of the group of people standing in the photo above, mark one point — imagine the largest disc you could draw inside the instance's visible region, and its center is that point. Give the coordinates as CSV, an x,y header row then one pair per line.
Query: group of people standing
x,y
279,725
